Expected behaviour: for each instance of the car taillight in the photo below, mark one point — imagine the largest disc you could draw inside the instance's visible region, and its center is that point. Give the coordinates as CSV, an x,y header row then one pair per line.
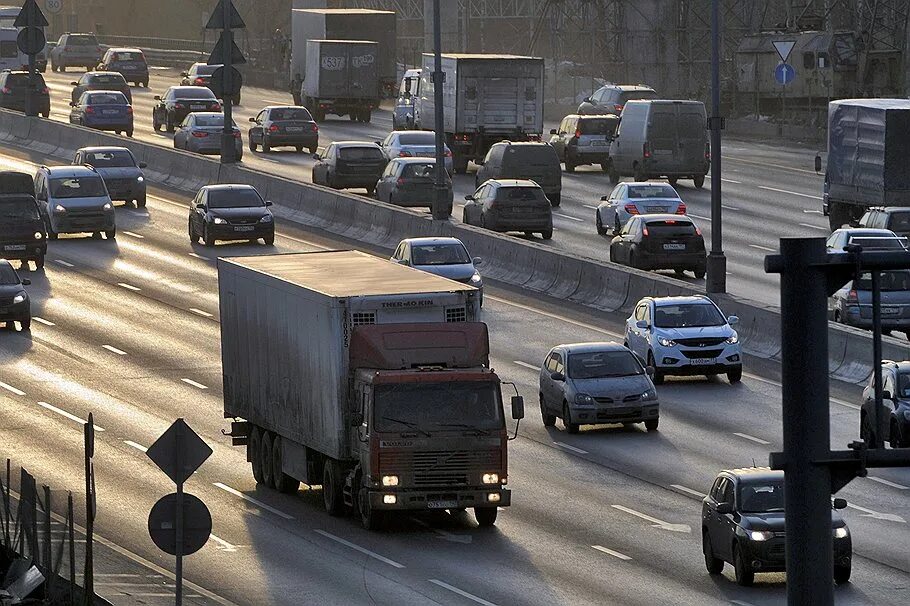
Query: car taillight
x,y
698,231
577,133
400,181
66,48
646,150
462,137
707,152
46,90
404,154
448,153
129,109
216,107
200,134
618,107
851,296
198,81
5,90
90,110
681,209
315,128
631,209
237,134
644,231
273,128
178,106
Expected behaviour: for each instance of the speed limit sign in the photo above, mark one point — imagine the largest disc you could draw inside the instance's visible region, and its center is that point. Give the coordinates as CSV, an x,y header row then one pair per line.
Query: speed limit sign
x,y
53,6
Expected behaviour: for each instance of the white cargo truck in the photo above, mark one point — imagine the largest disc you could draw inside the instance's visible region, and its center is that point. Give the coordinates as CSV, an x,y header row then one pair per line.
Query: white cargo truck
x,y
341,79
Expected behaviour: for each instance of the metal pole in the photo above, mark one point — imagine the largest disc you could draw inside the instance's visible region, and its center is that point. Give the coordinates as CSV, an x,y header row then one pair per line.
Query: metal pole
x,y
70,520
227,135
717,262
178,523
441,209
806,423
88,581
877,355
30,95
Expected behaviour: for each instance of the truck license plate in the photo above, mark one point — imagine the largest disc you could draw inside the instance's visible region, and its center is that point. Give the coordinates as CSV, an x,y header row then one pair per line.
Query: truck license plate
x,y
442,504
244,228
14,247
702,361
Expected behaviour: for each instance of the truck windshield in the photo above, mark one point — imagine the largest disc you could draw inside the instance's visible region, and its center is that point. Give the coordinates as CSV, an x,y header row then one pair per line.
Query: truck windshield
x,y
437,406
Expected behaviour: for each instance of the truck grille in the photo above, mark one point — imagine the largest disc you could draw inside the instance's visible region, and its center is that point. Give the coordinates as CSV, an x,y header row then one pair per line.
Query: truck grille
x,y
439,467
360,318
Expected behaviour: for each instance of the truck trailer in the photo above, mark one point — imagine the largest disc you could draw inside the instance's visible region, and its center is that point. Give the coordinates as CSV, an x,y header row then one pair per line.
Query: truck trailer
x,y
367,377
486,98
868,146
341,79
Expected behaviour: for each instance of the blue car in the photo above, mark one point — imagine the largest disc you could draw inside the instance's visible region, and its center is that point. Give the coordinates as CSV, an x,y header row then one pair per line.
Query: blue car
x,y
103,110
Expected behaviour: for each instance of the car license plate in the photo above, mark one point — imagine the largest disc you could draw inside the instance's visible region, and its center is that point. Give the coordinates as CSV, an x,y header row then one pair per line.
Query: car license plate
x,y
442,504
295,129
702,361
14,247
197,107
109,112
244,228
674,246
657,209
890,311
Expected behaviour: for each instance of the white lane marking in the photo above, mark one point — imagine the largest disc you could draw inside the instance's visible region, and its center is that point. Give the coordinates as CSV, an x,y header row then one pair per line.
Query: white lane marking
x,y
589,206
136,445
792,193
128,286
731,181
356,547
63,263
194,383
847,404
746,436
68,415
568,217
572,448
133,234
657,523
526,365
743,160
255,502
687,490
199,256
112,349
818,227
699,217
759,247
11,389
222,544
615,554
461,592
810,211
200,312
43,321
729,207
741,603
868,513
888,483
285,102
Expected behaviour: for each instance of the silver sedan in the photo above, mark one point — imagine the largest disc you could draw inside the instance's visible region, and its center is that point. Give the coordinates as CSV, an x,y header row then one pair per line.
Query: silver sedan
x,y
414,144
200,132
628,199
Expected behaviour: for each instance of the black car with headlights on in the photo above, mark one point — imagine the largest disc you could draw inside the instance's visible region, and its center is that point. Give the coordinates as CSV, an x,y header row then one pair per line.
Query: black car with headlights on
x,y
23,236
743,524
230,212
895,415
121,172
178,101
14,302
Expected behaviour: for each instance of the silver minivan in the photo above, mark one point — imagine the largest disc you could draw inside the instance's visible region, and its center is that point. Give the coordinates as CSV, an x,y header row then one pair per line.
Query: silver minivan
x,y
660,138
73,200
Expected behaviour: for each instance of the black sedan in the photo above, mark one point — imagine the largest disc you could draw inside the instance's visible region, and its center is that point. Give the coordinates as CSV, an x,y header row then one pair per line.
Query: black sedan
x,y
178,101
101,81
200,74
660,242
291,126
14,302
895,413
743,524
230,212
121,172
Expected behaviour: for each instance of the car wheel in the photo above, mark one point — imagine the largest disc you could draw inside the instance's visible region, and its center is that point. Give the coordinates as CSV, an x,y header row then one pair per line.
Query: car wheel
x,y
735,375
699,272
299,148
567,419
62,68
194,238
672,181
745,576
658,377
680,272
651,424
141,201
155,124
699,181
894,435
549,420
169,125
547,234
265,458
111,234
312,150
570,168
253,452
269,240
633,262
25,324
865,432
39,262
842,574
129,133
486,516
266,146
252,144
712,564
601,230
616,226
612,174
207,237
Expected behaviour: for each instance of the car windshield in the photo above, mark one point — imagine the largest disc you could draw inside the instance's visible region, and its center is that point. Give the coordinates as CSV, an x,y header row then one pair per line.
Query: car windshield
x,y
636,94
206,70
291,113
420,171
439,254
903,385
246,197
683,315
884,242
193,92
82,41
437,406
107,99
519,194
18,209
213,120
8,275
598,126
109,159
900,222
761,497
78,187
108,79
890,281
360,153
602,364
651,191
422,138
127,56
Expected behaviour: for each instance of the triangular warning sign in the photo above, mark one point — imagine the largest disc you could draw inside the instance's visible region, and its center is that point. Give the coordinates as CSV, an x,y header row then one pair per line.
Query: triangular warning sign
x,y
783,48
216,21
217,56
30,16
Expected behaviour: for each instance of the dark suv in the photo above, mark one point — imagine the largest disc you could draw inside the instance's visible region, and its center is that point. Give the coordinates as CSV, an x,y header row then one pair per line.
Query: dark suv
x,y
14,88
128,61
510,205
23,236
537,162
660,242
742,522
895,416
178,101
610,99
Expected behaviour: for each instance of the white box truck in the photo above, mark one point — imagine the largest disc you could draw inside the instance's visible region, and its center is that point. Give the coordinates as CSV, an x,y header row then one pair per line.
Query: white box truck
x,y
341,79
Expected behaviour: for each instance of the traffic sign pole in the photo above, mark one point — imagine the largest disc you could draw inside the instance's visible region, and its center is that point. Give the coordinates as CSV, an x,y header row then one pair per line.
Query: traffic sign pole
x,y
178,522
227,137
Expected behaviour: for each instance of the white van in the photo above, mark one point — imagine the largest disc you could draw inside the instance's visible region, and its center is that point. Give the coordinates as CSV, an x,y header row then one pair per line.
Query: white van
x,y
658,138
8,15
10,57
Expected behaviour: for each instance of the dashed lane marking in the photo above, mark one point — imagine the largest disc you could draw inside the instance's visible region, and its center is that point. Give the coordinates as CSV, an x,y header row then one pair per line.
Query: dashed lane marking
x,y
136,445
356,547
63,263
194,383
760,247
11,389
611,552
255,502
133,234
113,349
810,226
66,414
43,321
525,364
746,436
461,592
687,490
786,191
569,447
888,483
200,312
128,286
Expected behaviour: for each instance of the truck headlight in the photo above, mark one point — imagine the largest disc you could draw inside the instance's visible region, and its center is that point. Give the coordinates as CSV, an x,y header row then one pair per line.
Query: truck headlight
x,y
59,209
476,279
389,499
266,219
219,221
841,533
390,480
38,235
666,342
732,339
19,298
490,478
584,399
761,535
494,497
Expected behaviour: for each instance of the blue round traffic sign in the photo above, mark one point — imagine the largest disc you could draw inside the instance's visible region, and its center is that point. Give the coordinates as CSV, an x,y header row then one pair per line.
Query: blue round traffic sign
x,y
784,73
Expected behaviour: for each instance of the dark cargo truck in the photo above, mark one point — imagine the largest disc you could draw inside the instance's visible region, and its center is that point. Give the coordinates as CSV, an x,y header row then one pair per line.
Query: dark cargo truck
x,y
341,79
868,147
367,377
23,235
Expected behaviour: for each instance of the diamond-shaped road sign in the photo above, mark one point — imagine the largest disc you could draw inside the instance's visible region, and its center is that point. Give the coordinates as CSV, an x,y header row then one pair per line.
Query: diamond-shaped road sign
x,y
784,48
216,21
217,56
181,443
30,15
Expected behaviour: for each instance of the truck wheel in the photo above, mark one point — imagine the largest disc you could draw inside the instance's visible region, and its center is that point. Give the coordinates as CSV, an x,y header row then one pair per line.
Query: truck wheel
x,y
366,115
25,324
638,174
838,215
369,517
486,516
555,199
283,482
332,488
265,459
254,454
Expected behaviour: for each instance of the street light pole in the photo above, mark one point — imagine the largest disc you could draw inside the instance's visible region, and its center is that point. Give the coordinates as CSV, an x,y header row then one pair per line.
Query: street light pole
x,y
717,262
441,208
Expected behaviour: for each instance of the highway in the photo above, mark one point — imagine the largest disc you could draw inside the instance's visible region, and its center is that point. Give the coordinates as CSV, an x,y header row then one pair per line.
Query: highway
x,y
128,329
769,191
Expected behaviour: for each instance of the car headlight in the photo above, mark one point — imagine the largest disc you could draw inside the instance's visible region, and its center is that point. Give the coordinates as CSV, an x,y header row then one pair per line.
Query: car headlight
x,y
584,399
761,535
732,339
219,221
649,395
107,206
59,209
390,480
841,533
666,342
140,179
266,219
20,297
38,235
476,279
490,478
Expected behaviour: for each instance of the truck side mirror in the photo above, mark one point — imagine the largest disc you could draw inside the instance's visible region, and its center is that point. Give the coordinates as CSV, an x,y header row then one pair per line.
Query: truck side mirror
x,y
840,503
818,163
518,407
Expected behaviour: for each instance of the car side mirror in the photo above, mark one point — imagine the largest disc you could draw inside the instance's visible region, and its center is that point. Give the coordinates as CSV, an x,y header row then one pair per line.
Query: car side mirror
x,y
587,100
558,376
72,104
479,162
469,197
252,119
818,163
552,131
157,97
642,324
143,165
26,282
886,395
732,320
724,508
518,407
840,503
477,261
74,84
649,370
184,74
604,198
403,262
357,419
268,202
200,206
317,157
